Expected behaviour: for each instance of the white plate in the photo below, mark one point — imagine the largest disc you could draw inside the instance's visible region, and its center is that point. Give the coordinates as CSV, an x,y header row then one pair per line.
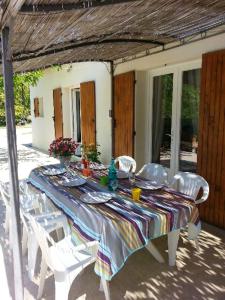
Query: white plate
x,y
96,197
53,171
148,185
77,181
122,174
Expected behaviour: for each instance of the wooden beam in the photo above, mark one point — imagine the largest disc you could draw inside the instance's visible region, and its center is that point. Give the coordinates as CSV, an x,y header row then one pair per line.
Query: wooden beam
x,y
49,51
9,9
13,161
48,8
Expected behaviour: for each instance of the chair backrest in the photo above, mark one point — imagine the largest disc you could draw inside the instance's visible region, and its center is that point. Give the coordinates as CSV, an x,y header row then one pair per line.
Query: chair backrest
x,y
4,190
126,163
190,184
43,239
154,172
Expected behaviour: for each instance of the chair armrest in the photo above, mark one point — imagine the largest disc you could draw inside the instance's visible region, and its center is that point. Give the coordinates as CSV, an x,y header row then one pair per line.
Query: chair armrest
x,y
92,244
204,197
55,221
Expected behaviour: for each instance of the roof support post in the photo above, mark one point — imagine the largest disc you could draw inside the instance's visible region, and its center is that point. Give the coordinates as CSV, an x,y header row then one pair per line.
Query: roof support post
x,y
12,156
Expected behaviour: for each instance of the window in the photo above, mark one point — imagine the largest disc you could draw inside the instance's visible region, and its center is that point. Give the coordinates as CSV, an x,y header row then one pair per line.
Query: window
x,y
38,107
76,118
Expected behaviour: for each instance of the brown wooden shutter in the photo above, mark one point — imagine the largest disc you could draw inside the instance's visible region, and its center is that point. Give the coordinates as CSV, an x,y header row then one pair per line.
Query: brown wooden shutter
x,y
123,107
58,114
211,150
88,112
36,107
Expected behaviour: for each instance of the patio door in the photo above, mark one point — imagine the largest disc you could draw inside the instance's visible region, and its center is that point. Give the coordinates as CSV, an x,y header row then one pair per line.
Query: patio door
x,y
123,107
58,116
175,114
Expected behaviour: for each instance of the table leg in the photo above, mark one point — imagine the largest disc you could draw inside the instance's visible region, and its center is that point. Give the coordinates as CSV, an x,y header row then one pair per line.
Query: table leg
x,y
154,252
104,286
173,238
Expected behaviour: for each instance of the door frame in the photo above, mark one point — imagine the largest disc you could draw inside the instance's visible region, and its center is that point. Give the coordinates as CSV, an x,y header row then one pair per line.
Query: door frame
x,y
177,71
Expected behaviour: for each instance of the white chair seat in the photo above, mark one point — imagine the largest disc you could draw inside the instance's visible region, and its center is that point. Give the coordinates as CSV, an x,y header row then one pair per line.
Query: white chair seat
x,y
65,258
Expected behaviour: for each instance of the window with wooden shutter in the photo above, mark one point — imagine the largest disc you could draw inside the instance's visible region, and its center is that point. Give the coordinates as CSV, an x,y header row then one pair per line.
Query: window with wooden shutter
x,y
36,108
88,112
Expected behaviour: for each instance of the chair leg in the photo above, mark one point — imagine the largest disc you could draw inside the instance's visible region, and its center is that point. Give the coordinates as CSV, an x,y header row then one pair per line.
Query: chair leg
x,y
7,220
42,278
62,289
24,241
32,254
173,238
155,252
105,285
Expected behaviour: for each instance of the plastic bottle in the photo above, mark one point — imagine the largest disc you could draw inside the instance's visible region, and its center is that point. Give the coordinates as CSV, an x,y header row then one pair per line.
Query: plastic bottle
x,y
112,175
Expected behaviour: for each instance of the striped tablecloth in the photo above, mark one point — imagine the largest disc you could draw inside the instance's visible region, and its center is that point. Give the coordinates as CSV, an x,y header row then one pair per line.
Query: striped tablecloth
x,y
121,225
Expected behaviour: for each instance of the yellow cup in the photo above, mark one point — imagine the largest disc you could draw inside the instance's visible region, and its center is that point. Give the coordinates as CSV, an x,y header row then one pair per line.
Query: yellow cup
x,y
136,193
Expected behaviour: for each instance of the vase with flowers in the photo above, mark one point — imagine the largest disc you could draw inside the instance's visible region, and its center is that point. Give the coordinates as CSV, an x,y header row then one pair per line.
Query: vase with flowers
x,y
63,149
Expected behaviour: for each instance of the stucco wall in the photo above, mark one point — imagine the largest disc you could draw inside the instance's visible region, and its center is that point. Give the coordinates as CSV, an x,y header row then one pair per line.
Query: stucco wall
x,y
43,128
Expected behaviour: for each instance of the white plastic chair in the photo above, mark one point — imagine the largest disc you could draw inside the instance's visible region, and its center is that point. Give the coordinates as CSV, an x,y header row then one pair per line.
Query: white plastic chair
x,y
39,206
4,188
126,163
154,172
190,184
64,259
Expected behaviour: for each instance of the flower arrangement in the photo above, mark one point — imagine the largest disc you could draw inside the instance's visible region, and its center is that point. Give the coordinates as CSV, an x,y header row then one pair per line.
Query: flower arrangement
x,y
64,147
91,152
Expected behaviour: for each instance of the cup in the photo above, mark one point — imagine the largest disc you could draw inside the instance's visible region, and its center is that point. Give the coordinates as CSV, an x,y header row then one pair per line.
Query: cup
x,y
104,180
136,193
86,172
132,178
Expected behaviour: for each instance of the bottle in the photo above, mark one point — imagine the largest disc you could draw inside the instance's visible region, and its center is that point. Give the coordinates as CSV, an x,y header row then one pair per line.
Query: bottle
x,y
112,175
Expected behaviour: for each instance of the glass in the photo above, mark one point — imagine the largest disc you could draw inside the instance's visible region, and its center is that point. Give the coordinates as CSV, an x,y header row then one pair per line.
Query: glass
x,y
114,184
189,121
136,194
162,119
132,178
104,180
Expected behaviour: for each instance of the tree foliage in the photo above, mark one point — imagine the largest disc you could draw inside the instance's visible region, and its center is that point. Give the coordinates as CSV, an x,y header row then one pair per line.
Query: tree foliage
x,y
22,83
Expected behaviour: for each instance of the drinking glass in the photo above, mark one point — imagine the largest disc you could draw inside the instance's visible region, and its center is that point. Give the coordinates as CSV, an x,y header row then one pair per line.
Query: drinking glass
x,y
114,184
132,178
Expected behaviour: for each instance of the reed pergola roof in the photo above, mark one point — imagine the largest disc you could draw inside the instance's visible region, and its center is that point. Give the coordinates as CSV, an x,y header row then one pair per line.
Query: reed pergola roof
x,y
48,32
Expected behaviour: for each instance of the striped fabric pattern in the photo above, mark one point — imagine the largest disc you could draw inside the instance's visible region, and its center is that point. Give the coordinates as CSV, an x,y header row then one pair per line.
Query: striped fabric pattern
x,y
121,225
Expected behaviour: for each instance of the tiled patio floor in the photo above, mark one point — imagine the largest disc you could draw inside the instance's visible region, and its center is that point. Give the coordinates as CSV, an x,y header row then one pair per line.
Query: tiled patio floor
x,y
196,276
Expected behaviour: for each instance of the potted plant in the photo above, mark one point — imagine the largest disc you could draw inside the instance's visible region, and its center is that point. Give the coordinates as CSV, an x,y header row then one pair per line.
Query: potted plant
x,y
91,153
63,149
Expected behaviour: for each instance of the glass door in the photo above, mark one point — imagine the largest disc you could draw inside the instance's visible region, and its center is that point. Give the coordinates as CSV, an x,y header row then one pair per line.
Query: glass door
x,y
189,117
175,108
162,119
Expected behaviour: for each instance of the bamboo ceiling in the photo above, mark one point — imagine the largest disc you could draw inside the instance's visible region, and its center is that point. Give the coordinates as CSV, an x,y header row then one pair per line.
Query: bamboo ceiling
x,y
47,32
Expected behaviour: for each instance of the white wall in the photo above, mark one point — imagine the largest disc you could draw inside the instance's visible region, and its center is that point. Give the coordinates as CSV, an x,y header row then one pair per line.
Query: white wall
x,y
178,55
43,128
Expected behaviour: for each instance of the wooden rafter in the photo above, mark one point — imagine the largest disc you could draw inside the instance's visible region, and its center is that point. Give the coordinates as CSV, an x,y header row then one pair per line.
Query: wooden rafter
x,y
61,48
9,9
48,8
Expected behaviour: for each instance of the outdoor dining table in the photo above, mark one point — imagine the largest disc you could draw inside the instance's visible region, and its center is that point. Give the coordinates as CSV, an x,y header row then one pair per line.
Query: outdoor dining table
x,y
121,225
